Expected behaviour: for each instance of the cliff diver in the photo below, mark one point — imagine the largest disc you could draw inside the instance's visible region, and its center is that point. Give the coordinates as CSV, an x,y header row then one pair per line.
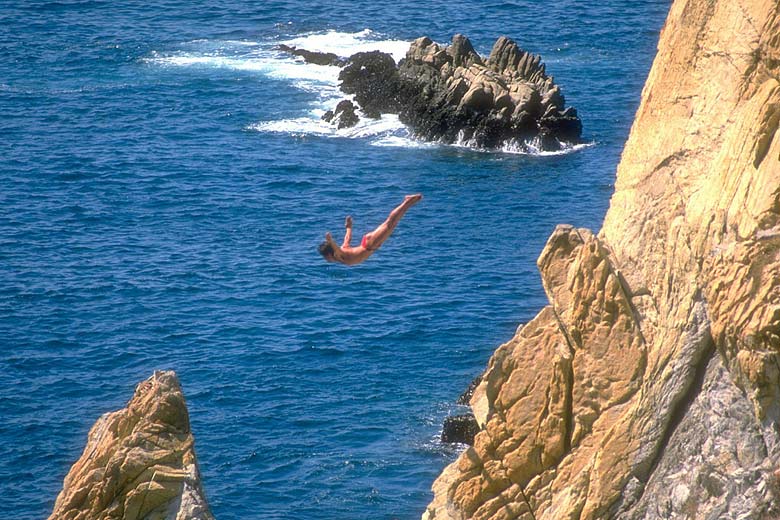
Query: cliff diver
x,y
346,254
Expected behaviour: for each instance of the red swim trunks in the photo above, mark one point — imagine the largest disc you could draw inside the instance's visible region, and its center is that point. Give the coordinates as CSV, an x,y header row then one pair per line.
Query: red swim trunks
x,y
364,242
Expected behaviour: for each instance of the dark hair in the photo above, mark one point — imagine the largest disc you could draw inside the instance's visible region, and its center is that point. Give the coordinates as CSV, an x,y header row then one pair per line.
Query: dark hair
x,y
326,250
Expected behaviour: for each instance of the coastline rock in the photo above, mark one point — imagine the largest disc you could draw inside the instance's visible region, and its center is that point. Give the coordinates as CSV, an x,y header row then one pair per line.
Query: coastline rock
x,y
506,99
465,397
343,116
314,57
139,462
372,77
451,94
649,387
460,429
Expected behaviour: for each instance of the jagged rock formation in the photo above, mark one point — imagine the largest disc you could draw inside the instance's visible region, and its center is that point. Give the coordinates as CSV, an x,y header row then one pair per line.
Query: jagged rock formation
x,y
507,98
649,388
139,462
343,116
452,94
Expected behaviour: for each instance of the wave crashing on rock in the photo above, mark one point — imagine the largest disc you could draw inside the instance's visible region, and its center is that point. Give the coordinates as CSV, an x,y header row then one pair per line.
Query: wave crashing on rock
x,y
451,94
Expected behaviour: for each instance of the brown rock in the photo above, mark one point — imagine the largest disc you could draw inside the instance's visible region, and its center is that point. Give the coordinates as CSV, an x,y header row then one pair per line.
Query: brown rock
x,y
650,387
139,462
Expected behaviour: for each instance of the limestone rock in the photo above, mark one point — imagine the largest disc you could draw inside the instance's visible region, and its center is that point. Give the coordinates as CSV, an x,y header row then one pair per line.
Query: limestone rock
x,y
650,386
139,462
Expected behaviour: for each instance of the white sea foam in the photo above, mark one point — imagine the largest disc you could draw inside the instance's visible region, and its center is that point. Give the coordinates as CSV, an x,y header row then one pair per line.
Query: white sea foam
x,y
402,141
533,147
387,125
347,44
263,57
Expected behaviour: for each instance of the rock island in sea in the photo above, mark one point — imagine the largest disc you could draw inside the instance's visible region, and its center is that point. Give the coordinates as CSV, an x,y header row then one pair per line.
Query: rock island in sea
x,y
451,94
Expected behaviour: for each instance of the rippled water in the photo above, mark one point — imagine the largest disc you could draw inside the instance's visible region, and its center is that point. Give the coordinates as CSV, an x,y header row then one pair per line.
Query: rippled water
x,y
164,182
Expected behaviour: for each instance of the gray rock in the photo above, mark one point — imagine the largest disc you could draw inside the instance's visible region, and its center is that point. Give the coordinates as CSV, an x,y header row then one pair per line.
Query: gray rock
x,y
715,463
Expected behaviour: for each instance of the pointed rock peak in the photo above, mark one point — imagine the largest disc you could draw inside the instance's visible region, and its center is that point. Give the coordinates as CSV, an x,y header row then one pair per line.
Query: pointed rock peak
x,y
160,400
139,462
424,50
462,52
421,43
507,58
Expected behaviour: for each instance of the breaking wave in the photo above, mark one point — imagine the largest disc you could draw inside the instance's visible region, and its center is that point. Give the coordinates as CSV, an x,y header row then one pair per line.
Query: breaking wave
x,y
264,58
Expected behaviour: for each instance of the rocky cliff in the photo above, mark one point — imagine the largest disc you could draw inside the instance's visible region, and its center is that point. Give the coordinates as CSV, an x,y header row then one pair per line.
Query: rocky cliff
x,y
649,387
139,462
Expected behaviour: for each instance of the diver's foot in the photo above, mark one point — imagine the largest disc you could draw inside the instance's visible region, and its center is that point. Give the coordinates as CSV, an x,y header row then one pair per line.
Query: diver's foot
x,y
413,199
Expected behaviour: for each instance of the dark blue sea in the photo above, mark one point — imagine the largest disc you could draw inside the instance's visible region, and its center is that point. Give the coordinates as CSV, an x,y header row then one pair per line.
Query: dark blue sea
x,y
164,182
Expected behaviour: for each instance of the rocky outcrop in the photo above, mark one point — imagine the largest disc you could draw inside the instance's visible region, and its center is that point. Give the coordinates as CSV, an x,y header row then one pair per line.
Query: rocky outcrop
x,y
460,428
139,462
343,116
314,57
451,94
649,387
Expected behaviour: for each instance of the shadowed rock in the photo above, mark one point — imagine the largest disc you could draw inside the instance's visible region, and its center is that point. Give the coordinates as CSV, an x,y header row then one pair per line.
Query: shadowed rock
x,y
460,429
450,94
465,397
343,116
139,462
316,58
372,77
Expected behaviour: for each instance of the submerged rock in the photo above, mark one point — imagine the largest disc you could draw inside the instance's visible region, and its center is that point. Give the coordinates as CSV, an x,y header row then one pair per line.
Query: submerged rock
x,y
314,57
139,462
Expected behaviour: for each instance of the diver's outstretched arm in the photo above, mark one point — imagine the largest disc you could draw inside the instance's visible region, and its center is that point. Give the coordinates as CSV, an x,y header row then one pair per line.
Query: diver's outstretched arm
x,y
348,233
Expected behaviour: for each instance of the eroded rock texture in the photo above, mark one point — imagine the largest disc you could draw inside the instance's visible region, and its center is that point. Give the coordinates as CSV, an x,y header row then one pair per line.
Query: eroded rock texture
x,y
650,386
139,462
452,94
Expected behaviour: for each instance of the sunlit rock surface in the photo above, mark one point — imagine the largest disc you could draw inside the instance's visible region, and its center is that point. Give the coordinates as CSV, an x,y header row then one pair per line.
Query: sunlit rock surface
x,y
139,462
650,386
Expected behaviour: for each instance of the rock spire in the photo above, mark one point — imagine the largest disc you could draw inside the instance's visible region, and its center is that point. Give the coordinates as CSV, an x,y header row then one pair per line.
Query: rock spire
x,y
139,462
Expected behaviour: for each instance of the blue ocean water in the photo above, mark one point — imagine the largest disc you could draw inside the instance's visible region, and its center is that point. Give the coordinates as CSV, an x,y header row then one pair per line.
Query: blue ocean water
x,y
164,182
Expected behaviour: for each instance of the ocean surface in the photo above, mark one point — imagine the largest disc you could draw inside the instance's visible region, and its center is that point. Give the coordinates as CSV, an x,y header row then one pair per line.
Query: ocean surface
x,y
164,182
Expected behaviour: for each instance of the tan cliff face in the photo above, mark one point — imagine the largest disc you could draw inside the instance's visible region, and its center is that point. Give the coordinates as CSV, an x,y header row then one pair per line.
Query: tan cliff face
x,y
650,386
139,462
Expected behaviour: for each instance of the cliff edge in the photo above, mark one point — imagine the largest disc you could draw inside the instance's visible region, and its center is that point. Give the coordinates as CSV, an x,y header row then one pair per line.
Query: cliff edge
x,y
649,387
139,462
